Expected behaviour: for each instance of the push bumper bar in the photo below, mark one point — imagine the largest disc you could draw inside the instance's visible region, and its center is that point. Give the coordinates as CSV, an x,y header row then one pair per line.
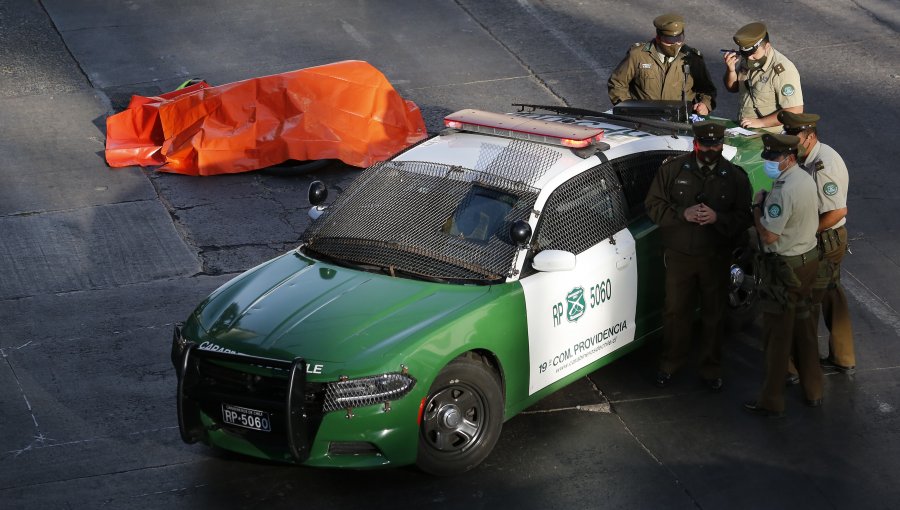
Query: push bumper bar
x,y
191,389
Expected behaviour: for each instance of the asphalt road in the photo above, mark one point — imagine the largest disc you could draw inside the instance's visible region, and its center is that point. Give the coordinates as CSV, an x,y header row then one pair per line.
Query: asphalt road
x,y
97,264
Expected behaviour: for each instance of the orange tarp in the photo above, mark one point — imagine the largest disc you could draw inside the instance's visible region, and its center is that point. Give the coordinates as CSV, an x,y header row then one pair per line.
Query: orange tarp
x,y
346,110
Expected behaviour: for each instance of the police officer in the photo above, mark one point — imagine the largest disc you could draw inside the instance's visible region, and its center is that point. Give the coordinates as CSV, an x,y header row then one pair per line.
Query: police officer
x,y
786,221
830,174
655,70
767,81
701,202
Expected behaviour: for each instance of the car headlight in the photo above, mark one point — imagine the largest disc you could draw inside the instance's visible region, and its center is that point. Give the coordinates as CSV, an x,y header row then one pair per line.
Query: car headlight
x,y
367,391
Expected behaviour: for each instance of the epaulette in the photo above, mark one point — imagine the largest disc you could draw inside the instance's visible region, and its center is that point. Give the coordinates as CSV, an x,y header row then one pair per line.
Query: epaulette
x,y
820,165
778,68
670,158
690,50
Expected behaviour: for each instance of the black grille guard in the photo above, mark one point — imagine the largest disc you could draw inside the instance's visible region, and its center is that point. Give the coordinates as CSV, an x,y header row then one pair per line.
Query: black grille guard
x,y
296,415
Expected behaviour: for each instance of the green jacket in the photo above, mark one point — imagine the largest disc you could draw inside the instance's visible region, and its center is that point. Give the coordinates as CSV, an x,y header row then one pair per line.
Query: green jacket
x,y
680,184
641,75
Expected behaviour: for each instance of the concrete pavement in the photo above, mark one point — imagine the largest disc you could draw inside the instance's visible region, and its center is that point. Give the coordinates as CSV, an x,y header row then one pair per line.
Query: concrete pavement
x,y
96,264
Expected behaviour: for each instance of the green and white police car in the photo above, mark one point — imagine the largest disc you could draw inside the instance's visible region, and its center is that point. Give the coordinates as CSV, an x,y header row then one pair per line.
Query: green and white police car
x,y
442,293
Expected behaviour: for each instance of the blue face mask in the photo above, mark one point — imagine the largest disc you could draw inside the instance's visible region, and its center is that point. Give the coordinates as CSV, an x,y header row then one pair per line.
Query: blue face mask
x,y
771,168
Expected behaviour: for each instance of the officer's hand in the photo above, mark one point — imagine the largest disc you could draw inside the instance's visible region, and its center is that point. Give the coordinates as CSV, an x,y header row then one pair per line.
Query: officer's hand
x,y
706,215
751,123
731,59
692,213
759,196
701,109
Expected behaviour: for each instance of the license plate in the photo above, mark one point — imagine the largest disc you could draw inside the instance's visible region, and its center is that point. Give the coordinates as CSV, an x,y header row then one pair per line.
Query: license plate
x,y
248,418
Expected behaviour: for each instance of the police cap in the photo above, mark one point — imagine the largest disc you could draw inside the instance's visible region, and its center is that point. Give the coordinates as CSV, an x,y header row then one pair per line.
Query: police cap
x,y
778,145
796,122
749,36
708,132
670,27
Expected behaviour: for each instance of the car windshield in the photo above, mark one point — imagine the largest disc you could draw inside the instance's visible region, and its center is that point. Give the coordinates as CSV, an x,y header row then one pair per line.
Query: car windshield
x,y
426,219
480,215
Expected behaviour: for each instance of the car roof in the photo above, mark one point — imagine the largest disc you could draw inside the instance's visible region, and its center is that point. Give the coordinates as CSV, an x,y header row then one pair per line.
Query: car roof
x,y
477,150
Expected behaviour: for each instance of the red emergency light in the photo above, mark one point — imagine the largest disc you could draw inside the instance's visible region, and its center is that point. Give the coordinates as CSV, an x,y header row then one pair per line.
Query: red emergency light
x,y
524,128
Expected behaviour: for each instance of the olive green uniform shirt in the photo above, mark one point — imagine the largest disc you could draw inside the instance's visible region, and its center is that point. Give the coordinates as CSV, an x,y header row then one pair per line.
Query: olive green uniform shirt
x,y
764,91
791,212
681,183
832,179
647,74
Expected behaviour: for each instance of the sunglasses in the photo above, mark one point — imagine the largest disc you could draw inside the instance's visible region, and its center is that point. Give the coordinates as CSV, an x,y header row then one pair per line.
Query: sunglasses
x,y
671,39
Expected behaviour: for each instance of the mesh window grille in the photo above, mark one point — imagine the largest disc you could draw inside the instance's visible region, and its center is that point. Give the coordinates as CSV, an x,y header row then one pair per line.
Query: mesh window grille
x,y
636,173
410,215
582,212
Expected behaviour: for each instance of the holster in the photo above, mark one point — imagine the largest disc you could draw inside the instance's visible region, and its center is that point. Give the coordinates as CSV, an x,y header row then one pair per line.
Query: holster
x,y
778,276
829,273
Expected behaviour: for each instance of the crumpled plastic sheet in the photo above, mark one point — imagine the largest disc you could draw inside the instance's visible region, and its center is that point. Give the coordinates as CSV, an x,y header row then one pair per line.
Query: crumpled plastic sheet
x,y
346,110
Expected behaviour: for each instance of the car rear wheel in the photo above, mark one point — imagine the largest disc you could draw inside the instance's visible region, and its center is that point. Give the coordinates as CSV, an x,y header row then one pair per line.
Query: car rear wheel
x,y
462,417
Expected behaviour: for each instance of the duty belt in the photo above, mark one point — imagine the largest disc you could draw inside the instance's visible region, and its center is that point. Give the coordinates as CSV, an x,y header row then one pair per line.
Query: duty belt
x,y
797,260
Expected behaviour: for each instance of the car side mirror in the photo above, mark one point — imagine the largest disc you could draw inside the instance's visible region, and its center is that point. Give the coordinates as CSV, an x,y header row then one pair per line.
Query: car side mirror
x,y
553,260
318,192
520,232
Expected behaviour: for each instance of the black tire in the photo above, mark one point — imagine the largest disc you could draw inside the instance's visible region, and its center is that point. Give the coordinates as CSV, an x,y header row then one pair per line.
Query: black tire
x,y
297,168
462,418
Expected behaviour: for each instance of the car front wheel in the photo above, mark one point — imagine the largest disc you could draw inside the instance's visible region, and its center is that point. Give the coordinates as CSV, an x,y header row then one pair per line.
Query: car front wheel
x,y
462,417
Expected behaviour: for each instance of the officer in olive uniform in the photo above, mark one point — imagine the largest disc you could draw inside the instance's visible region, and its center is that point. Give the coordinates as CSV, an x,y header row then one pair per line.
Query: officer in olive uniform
x,y
701,202
655,70
832,181
767,81
786,221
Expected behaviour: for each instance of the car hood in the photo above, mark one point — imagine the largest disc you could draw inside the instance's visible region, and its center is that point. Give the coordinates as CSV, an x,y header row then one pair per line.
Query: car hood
x,y
296,306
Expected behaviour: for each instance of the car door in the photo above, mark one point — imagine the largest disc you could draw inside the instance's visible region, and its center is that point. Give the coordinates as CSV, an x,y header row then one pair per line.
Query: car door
x,y
576,317
636,172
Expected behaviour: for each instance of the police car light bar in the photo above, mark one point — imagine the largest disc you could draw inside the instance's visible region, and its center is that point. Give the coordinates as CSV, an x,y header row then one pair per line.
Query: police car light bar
x,y
523,128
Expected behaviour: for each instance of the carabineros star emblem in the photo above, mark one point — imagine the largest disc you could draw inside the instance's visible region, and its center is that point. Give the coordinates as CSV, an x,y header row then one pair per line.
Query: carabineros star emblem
x,y
575,304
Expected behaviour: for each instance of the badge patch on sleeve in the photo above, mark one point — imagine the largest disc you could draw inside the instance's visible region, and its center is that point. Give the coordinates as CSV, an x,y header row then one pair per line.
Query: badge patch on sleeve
x,y
774,211
787,90
830,188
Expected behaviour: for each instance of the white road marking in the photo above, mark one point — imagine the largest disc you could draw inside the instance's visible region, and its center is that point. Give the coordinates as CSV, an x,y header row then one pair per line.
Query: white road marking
x,y
872,302
583,55
355,35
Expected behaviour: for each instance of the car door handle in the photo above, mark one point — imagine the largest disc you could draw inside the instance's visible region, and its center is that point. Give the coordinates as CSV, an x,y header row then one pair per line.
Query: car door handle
x,y
622,263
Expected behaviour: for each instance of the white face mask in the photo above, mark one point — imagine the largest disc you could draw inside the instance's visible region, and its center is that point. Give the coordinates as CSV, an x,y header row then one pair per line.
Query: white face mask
x,y
772,169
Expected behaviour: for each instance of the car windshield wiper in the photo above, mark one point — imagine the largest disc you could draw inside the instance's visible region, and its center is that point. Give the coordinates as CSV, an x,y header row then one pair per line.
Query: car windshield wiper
x,y
324,257
372,268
